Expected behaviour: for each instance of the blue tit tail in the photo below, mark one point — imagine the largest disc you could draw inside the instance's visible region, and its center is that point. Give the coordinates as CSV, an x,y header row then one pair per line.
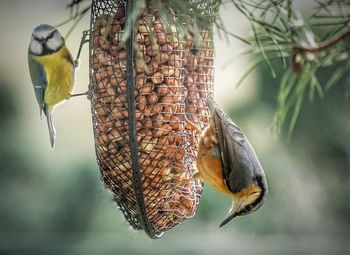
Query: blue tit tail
x,y
50,125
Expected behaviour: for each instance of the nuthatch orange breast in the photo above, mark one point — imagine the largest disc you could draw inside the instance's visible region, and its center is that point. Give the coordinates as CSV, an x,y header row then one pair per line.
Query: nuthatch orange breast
x,y
227,161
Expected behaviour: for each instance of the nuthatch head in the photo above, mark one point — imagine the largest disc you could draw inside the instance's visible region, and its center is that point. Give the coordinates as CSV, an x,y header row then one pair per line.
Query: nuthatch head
x,y
248,200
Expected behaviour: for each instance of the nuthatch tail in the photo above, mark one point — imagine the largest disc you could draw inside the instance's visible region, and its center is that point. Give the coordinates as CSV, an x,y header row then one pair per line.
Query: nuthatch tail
x,y
51,69
227,161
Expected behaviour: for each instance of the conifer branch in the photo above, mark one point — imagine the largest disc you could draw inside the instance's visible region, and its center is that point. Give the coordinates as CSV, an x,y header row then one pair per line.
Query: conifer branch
x,y
278,32
325,45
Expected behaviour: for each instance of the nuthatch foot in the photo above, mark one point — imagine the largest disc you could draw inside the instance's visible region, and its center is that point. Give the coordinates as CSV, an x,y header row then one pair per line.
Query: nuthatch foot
x,y
227,161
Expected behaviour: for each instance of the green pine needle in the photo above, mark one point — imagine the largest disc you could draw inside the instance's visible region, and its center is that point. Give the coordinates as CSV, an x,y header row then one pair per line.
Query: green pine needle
x,y
278,31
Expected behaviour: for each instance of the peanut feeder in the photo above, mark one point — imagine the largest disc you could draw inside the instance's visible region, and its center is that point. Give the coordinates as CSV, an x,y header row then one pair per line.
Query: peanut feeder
x,y
144,92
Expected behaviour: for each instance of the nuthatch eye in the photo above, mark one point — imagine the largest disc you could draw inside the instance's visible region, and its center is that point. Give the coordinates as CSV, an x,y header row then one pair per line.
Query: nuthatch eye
x,y
227,161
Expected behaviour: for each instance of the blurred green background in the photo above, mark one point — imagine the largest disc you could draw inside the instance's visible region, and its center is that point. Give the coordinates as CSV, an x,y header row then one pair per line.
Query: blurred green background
x,y
53,202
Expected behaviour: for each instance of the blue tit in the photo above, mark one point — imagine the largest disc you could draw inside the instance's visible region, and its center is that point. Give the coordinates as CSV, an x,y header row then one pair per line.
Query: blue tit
x,y
52,71
227,161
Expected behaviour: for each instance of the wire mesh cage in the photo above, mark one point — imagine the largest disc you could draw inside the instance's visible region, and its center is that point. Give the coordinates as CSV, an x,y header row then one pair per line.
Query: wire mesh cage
x,y
144,92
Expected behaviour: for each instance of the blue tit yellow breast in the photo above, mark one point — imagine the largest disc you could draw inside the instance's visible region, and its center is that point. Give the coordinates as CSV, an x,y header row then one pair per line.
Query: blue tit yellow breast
x,y
59,70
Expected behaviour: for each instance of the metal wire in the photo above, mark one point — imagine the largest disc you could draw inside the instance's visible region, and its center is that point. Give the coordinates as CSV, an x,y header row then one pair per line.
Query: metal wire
x,y
142,94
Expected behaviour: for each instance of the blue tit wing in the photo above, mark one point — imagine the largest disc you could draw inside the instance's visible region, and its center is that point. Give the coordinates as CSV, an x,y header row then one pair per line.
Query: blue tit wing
x,y
240,162
38,76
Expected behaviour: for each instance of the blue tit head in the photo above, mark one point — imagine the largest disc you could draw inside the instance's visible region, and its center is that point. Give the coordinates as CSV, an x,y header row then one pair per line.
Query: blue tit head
x,y
45,40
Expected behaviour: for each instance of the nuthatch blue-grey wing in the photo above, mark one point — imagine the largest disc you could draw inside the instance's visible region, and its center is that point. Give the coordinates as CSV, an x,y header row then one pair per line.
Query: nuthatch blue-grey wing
x,y
237,171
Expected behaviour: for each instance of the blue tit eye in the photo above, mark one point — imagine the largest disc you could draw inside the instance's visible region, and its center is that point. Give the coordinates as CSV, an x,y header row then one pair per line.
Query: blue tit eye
x,y
36,38
51,35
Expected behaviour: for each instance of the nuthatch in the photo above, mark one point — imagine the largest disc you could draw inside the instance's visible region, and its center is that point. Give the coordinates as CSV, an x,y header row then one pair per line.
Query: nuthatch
x,y
227,161
52,71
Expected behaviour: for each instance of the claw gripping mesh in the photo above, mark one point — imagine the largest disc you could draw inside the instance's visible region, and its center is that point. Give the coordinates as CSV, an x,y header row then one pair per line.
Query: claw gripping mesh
x,y
142,92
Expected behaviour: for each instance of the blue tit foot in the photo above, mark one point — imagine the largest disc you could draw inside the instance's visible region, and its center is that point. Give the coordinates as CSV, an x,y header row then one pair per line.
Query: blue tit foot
x,y
87,93
84,39
76,63
80,94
